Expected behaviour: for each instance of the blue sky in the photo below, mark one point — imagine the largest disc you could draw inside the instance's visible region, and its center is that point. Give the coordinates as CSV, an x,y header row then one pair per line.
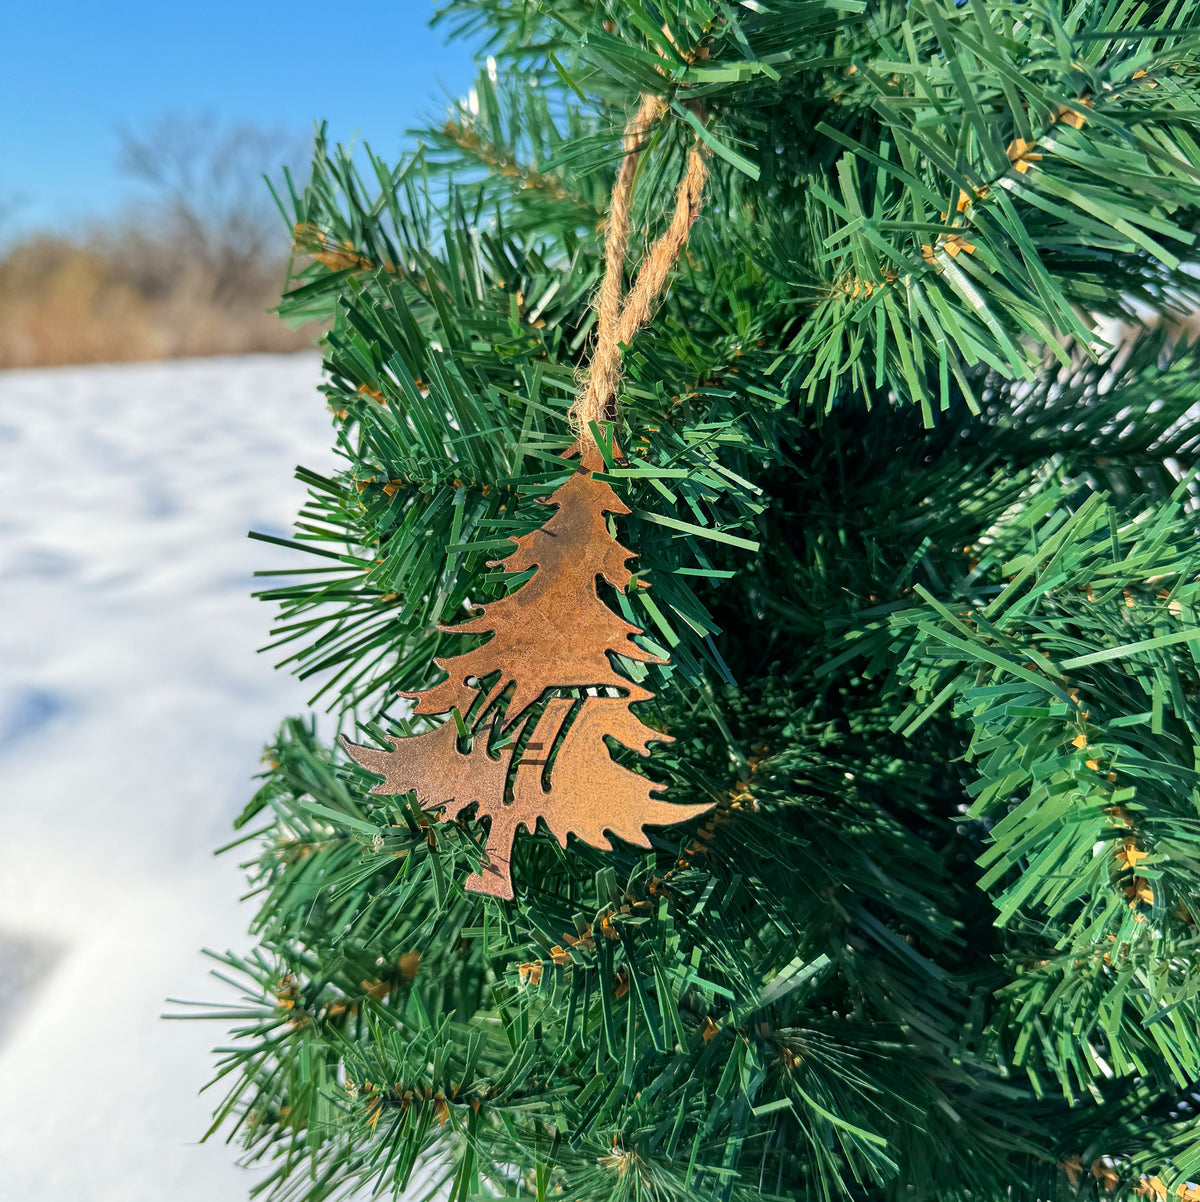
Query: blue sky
x,y
76,71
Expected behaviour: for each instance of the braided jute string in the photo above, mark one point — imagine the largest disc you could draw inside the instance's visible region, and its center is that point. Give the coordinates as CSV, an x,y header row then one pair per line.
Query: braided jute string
x,y
618,318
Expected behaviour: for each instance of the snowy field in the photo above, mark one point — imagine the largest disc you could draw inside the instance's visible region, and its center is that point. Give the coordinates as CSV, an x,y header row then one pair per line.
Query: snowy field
x,y
133,710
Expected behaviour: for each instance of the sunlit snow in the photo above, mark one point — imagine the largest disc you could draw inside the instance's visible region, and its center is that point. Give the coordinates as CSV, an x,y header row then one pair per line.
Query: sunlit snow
x,y
133,710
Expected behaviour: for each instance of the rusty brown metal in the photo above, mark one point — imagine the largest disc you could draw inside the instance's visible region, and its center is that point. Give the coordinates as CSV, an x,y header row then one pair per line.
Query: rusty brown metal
x,y
550,637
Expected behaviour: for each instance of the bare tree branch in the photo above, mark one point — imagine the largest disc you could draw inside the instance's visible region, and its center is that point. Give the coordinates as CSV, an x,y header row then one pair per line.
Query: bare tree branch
x,y
207,195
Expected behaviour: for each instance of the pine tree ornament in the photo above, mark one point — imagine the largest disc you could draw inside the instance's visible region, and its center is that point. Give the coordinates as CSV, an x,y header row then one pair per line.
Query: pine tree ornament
x,y
542,694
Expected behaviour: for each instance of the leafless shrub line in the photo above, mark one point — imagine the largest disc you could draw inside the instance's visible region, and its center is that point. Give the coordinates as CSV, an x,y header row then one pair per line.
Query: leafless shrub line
x,y
189,269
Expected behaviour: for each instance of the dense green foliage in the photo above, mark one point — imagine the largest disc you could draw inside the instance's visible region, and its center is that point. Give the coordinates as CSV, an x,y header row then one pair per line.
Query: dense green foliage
x,y
923,556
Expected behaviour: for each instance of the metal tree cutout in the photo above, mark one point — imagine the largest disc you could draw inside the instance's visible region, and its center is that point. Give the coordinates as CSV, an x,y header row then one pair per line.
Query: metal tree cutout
x,y
550,637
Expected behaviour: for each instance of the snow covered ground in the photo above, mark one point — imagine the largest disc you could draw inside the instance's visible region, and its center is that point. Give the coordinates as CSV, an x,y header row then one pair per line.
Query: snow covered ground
x,y
133,710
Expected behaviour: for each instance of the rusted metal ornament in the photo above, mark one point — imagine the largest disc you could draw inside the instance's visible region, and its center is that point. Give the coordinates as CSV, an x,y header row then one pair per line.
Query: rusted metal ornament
x,y
552,636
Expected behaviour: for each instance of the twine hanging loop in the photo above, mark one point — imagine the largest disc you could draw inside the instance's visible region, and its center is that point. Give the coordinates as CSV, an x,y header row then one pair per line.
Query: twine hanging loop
x,y
620,315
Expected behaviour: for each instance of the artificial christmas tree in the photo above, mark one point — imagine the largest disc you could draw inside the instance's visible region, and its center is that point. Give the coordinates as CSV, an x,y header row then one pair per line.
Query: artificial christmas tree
x,y
921,632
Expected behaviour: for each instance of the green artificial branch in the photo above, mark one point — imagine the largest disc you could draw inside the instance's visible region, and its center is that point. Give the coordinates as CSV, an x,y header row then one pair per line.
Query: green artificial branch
x,y
921,550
